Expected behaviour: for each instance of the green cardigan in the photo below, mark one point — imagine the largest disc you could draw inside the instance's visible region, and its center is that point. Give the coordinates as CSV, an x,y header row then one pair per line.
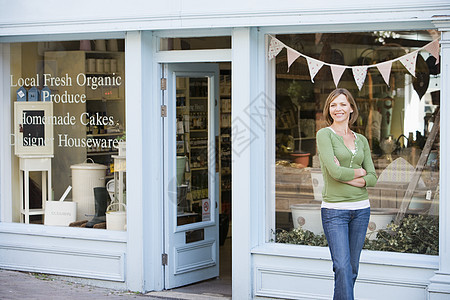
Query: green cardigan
x,y
329,145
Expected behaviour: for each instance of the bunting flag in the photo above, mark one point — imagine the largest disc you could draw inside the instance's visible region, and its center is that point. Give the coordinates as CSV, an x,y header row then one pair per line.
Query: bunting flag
x,y
433,48
292,55
275,47
360,74
314,66
385,70
409,61
337,72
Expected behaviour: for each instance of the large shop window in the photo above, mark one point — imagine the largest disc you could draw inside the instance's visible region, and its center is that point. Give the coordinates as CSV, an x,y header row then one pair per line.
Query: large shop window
x,y
399,120
68,133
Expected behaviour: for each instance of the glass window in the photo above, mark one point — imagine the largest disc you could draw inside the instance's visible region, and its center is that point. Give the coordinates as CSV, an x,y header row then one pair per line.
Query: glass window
x,y
192,149
397,118
195,43
68,124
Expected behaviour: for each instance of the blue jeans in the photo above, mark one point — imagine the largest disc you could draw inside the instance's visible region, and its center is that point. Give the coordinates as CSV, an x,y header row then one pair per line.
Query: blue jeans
x,y
345,231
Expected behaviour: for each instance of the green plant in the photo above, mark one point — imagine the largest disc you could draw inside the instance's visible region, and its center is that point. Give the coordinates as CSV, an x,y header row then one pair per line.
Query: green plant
x,y
42,276
416,234
122,138
299,236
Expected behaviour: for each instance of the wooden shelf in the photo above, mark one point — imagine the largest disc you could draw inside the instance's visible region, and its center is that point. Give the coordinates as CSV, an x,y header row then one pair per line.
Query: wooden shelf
x,y
102,153
104,99
293,76
105,134
103,74
199,169
33,211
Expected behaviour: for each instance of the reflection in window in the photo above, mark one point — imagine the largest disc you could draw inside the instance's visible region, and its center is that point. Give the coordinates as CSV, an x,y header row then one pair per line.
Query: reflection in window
x,y
195,43
192,150
397,119
69,127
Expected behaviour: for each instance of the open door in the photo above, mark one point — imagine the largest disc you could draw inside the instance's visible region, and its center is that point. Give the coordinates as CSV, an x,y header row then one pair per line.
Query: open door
x,y
191,179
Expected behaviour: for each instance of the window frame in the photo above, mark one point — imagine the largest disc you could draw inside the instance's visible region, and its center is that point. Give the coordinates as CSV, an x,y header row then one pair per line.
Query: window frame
x,y
7,151
266,244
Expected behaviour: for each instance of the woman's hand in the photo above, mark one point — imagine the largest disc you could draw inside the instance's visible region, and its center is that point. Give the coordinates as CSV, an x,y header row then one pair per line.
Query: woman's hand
x,y
360,173
358,182
336,161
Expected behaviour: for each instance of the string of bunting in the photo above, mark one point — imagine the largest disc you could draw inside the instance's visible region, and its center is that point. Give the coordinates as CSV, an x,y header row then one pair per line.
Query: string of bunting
x,y
359,72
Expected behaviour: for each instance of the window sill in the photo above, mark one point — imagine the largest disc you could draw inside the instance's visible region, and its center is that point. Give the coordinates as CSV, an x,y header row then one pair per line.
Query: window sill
x,y
64,232
367,257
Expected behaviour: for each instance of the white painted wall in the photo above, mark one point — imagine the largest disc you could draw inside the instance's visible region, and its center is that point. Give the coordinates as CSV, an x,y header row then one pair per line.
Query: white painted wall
x,y
243,239
24,17
440,283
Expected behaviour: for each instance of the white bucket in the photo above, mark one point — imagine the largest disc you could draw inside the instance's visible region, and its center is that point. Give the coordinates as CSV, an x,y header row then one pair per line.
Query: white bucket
x,y
116,220
85,177
307,216
379,219
59,213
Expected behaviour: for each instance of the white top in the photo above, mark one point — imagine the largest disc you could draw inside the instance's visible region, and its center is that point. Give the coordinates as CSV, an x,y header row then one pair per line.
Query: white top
x,y
347,205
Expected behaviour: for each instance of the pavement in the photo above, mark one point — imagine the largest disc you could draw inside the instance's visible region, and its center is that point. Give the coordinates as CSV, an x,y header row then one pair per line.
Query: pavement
x,y
35,286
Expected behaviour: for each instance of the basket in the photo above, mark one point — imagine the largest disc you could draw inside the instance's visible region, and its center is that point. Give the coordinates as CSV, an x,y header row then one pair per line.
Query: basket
x,y
116,220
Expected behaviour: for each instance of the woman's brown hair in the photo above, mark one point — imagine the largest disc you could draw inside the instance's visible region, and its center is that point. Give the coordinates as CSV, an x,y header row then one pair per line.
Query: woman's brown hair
x,y
340,91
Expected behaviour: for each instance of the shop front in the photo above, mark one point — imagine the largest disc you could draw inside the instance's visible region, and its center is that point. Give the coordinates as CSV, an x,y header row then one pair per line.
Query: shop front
x,y
134,148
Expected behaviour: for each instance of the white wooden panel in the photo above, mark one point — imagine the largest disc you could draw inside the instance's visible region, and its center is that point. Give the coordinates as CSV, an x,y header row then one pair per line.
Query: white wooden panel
x,y
6,209
194,257
78,253
220,55
242,137
440,284
134,89
310,276
99,264
292,284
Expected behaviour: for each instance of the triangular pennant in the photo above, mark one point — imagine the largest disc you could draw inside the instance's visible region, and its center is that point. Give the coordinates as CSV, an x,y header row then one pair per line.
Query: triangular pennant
x,y
433,48
409,61
337,72
314,66
275,47
359,73
385,70
292,55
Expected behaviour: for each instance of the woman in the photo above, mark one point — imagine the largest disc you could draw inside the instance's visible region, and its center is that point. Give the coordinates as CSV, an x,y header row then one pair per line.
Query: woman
x,y
347,169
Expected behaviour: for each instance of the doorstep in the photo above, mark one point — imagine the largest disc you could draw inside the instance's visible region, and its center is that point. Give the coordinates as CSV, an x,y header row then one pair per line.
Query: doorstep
x,y
187,296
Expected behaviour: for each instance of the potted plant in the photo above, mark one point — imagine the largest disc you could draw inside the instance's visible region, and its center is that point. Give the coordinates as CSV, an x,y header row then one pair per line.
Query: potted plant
x,y
298,93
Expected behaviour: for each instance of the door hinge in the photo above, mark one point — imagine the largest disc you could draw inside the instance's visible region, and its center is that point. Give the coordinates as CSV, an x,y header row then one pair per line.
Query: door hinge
x,y
163,111
164,259
163,84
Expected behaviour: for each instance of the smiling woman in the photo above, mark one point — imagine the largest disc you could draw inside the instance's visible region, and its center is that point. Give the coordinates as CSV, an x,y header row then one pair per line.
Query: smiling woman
x,y
377,122
345,206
